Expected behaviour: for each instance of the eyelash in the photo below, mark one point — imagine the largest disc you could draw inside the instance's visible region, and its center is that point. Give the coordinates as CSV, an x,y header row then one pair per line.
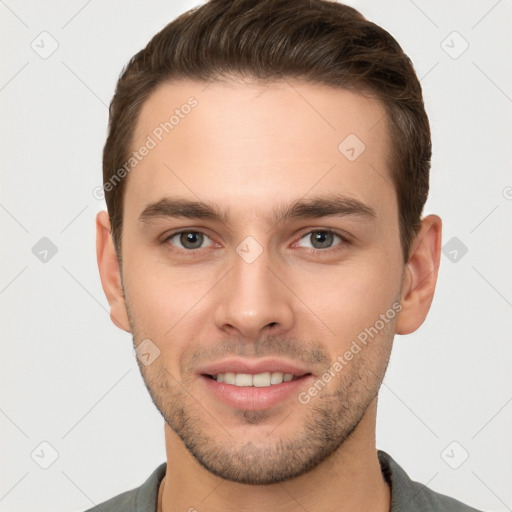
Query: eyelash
x,y
343,241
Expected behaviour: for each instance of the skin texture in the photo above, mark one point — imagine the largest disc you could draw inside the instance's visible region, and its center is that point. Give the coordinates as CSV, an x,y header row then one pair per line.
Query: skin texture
x,y
252,150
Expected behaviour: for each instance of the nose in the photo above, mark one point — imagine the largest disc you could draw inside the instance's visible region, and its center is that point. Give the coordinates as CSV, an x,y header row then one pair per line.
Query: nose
x,y
253,300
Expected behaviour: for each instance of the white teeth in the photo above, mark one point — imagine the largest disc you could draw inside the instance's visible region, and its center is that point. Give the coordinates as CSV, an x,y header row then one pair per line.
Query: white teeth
x,y
229,378
277,377
259,380
243,379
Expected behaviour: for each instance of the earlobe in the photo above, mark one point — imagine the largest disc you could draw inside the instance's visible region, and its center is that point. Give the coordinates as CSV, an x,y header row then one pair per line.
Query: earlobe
x,y
420,276
110,273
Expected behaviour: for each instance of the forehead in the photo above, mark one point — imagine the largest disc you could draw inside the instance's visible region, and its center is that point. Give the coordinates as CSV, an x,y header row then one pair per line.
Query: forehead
x,y
253,145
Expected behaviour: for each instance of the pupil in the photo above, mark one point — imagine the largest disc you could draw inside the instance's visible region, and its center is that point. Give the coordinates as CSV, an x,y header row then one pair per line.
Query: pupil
x,y
322,239
191,240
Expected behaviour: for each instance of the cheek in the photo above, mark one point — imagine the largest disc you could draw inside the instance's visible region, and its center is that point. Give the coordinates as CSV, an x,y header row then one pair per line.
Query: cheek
x,y
351,297
162,298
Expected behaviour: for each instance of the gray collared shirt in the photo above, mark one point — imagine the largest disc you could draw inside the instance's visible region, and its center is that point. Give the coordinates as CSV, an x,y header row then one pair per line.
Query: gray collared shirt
x,y
406,495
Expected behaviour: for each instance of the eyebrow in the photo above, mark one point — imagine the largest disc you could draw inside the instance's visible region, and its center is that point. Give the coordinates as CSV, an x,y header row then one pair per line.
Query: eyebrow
x,y
316,207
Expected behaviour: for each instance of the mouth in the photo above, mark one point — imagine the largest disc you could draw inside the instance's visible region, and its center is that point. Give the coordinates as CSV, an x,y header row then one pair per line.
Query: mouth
x,y
259,380
244,384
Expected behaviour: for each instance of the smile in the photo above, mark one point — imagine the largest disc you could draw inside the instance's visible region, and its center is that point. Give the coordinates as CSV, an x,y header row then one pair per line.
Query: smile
x,y
259,380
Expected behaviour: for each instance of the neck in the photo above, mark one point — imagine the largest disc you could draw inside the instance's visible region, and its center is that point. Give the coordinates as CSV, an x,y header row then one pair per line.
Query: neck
x,y
350,479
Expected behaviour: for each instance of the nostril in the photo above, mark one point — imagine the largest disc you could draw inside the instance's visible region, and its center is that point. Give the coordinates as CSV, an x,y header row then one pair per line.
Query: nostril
x,y
271,324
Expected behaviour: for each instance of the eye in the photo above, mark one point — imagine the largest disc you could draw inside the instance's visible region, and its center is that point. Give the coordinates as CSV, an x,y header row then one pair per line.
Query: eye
x,y
320,239
190,240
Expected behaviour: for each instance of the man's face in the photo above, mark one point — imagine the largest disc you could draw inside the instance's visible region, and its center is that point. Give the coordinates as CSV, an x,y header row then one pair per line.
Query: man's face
x,y
297,256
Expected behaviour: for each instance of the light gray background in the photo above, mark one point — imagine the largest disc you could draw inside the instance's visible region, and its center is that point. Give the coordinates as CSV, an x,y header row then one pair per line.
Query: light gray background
x,y
69,376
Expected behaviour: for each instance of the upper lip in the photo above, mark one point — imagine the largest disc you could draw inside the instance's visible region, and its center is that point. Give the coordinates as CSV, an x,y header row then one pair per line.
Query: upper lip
x,y
253,366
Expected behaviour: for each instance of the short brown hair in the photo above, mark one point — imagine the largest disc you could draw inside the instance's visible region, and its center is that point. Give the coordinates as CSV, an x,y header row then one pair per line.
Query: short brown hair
x,y
320,41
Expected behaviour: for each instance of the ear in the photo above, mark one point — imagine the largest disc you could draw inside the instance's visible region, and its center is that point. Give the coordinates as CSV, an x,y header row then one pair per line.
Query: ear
x,y
110,273
420,275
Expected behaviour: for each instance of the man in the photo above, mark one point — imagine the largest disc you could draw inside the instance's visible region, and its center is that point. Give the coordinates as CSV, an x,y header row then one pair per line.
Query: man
x,y
265,173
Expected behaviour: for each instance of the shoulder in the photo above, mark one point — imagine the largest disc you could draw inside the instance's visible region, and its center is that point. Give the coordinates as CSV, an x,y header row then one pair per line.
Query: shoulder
x,y
408,495
140,499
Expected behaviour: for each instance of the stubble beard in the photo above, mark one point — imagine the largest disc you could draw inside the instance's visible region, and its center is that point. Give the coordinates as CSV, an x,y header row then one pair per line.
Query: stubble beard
x,y
331,418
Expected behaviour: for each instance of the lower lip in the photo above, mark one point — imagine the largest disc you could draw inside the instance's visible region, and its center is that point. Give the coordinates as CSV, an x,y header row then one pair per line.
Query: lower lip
x,y
251,398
